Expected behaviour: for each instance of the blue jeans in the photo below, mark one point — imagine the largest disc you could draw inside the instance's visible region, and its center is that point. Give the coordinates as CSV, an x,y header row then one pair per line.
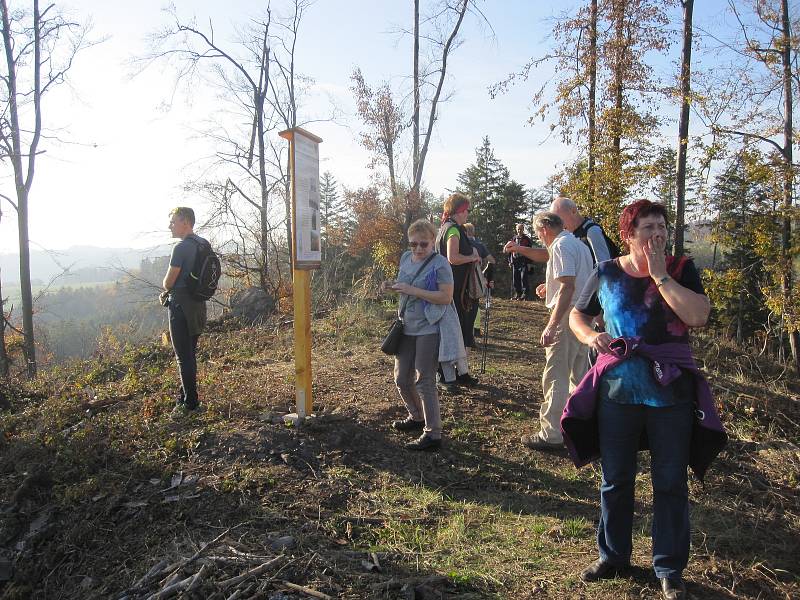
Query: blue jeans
x,y
668,431
185,347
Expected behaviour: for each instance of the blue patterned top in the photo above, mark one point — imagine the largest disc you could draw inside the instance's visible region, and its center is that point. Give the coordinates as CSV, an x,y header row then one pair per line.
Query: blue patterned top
x,y
633,306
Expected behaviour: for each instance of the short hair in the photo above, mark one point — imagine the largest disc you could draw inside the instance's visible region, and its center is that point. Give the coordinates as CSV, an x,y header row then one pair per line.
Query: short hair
x,y
565,202
454,202
183,212
629,218
470,229
422,226
548,220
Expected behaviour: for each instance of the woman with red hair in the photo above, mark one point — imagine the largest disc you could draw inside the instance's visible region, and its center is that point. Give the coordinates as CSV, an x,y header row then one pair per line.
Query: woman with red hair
x,y
453,243
649,301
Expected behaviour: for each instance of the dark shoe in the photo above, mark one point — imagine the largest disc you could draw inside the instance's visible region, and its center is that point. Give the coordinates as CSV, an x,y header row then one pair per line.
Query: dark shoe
x,y
424,443
673,588
450,388
408,424
535,442
476,332
467,380
601,569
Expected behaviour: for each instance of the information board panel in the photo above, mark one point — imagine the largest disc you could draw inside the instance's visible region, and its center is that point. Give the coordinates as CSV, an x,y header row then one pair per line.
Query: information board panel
x,y
305,198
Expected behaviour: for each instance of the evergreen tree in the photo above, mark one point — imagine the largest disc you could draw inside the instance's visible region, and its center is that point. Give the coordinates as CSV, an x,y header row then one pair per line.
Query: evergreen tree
x,y
498,202
333,213
740,199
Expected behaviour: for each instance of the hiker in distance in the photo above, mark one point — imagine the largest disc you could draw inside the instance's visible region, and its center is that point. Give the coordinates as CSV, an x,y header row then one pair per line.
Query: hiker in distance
x,y
518,261
425,285
187,314
646,383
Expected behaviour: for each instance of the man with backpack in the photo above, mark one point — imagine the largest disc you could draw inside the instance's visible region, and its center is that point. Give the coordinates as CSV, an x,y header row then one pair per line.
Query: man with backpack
x,y
585,229
191,279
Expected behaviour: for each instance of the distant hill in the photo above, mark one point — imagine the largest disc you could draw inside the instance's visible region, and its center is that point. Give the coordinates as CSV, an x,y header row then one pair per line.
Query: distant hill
x,y
82,260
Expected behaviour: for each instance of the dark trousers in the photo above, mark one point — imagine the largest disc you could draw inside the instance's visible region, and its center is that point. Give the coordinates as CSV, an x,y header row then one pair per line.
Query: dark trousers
x,y
520,279
185,347
669,431
466,318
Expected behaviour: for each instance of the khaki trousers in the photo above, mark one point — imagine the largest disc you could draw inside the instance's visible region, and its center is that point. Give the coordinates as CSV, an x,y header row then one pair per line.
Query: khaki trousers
x,y
566,363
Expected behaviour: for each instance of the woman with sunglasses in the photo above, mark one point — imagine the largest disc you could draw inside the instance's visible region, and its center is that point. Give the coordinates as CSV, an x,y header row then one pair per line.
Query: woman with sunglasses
x,y
424,279
454,243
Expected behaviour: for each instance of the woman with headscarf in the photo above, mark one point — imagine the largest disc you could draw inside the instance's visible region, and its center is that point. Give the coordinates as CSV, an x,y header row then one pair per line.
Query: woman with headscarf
x,y
454,243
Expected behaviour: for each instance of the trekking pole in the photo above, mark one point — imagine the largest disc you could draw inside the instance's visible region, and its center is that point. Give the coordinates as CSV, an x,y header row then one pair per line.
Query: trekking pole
x,y
487,305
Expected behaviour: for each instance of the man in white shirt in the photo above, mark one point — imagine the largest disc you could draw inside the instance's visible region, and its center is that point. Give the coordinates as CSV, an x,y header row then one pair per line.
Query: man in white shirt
x,y
569,265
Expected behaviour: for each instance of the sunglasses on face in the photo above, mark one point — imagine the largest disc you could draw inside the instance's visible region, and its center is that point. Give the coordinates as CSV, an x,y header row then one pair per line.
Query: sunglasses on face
x,y
422,245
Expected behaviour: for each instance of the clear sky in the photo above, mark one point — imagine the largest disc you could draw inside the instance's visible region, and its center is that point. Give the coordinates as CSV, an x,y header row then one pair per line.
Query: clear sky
x,y
131,156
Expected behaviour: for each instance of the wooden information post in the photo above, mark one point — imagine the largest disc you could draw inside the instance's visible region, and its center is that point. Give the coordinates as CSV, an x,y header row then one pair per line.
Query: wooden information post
x,y
306,252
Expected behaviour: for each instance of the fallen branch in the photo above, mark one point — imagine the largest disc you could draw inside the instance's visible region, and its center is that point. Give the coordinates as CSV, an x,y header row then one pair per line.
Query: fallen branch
x,y
412,581
306,591
184,585
227,583
202,551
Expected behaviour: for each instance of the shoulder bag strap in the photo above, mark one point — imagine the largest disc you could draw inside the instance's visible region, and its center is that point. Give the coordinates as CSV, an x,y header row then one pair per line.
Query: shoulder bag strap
x,y
405,300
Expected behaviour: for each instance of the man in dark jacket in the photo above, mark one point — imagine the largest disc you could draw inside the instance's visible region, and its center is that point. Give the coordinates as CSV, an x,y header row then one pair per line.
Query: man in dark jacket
x,y
519,264
187,315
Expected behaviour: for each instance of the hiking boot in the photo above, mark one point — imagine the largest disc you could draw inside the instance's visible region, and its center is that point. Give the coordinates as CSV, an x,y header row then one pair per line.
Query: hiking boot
x,y
602,569
408,424
536,442
467,380
673,588
424,443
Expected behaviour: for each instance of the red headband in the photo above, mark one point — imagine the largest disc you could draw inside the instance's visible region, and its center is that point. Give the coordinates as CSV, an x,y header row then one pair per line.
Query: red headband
x,y
461,209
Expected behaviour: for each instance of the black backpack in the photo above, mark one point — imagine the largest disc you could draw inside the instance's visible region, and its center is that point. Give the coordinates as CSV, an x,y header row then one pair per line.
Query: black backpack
x,y
204,276
581,234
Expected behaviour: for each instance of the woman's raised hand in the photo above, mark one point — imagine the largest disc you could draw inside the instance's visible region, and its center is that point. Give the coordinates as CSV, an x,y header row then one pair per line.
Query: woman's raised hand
x,y
655,253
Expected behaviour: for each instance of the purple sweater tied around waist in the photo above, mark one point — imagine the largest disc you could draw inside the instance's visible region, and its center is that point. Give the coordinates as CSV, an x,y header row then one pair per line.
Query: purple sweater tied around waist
x,y
579,420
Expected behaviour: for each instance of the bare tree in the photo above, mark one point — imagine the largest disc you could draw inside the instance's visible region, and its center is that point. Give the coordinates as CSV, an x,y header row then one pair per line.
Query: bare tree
x,y
452,12
247,183
40,46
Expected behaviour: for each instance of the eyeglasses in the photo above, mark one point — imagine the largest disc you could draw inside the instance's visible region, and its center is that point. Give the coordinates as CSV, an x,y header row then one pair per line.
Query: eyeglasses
x,y
422,245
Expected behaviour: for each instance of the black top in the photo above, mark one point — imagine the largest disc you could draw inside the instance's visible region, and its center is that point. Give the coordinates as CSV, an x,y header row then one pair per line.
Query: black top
x,y
465,247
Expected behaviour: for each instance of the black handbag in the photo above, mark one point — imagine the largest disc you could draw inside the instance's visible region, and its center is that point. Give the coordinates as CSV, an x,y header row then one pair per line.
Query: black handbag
x,y
391,343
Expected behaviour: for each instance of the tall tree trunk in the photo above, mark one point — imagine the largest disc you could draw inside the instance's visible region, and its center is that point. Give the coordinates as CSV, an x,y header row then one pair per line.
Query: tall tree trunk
x,y
3,351
412,197
260,97
448,45
788,180
683,128
592,100
619,97
415,115
23,183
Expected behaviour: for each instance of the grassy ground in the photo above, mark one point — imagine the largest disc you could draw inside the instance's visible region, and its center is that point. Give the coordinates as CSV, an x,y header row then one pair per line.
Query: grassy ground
x,y
98,485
